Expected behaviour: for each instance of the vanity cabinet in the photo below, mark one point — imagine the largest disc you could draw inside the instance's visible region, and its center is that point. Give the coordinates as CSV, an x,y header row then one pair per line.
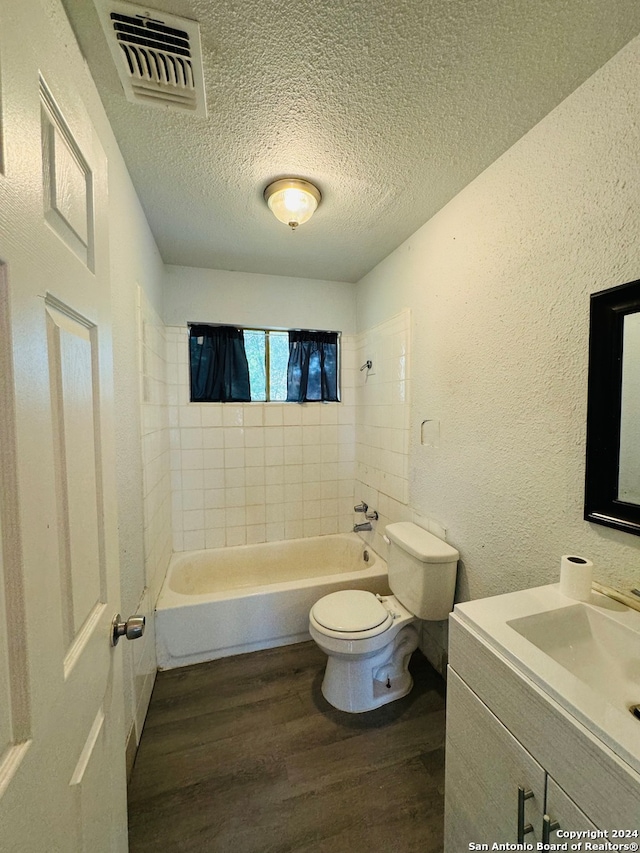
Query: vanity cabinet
x,y
563,813
494,788
516,760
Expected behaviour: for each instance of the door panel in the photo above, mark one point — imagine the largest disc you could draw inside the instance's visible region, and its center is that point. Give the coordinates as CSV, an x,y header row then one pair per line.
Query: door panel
x,y
15,721
62,780
67,181
74,384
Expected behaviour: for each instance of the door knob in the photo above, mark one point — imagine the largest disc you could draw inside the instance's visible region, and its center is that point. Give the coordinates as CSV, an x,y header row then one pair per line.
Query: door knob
x,y
131,629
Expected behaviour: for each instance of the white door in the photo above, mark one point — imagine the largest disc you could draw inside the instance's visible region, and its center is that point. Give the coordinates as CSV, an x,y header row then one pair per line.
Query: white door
x,y
62,774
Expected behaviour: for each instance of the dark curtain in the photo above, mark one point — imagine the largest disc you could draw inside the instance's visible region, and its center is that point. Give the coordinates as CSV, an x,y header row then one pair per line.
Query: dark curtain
x,y
219,368
312,374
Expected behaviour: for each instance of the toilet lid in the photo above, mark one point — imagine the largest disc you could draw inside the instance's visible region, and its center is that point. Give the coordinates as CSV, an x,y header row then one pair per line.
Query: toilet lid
x,y
350,611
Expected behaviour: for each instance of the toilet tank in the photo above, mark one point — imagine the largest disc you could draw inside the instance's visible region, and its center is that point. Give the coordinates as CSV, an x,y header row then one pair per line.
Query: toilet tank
x,y
422,570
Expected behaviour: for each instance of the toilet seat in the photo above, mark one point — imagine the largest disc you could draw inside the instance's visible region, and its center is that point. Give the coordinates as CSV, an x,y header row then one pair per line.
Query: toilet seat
x,y
351,614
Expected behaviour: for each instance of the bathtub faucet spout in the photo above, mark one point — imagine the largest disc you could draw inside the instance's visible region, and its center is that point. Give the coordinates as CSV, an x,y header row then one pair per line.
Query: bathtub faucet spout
x,y
359,528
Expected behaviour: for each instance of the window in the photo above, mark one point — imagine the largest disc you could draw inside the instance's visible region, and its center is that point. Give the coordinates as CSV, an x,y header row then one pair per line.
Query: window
x,y
229,364
268,357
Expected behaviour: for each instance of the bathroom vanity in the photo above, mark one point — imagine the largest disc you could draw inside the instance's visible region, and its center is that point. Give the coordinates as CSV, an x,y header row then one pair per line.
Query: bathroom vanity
x,y
540,739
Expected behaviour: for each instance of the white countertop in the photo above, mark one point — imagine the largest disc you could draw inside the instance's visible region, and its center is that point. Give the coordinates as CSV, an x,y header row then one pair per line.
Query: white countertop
x,y
585,655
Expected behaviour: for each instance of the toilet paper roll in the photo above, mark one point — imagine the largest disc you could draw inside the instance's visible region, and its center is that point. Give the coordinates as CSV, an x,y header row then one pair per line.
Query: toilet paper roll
x,y
576,574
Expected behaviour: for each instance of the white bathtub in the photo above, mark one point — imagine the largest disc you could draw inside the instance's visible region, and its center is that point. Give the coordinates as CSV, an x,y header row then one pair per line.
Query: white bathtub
x,y
227,601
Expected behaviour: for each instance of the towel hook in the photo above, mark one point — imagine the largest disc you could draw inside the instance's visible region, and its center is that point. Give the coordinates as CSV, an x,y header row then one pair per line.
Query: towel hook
x,y
368,364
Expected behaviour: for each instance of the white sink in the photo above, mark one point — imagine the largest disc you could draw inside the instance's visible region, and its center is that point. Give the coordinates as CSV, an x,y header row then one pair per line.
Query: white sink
x,y
585,655
595,648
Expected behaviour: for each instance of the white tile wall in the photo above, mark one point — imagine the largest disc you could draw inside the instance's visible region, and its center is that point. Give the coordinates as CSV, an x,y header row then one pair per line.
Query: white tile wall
x,y
155,445
252,472
382,417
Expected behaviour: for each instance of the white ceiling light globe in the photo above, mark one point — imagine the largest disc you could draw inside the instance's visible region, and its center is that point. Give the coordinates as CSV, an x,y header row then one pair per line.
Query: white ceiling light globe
x,y
292,200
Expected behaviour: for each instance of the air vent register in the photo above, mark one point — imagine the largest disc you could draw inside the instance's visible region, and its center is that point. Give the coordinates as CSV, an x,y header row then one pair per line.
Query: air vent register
x,y
157,56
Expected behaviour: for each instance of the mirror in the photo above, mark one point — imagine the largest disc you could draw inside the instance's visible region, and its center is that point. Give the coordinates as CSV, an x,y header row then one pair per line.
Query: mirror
x,y
629,464
612,489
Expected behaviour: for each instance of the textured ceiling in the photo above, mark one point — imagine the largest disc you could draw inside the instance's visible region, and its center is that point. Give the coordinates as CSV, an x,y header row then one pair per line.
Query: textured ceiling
x,y
390,106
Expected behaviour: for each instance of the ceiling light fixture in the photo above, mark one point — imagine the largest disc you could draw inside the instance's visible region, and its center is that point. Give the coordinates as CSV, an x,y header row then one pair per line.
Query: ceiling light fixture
x,y
292,200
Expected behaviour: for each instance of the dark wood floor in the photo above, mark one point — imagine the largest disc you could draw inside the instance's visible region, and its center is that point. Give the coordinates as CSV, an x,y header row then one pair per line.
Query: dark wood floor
x,y
244,755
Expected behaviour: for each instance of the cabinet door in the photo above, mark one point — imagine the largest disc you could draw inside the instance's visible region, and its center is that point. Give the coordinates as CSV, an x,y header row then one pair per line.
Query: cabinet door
x,y
562,811
485,767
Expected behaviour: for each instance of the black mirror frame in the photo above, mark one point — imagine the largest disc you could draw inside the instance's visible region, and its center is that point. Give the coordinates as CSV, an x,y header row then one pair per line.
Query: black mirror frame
x,y
601,504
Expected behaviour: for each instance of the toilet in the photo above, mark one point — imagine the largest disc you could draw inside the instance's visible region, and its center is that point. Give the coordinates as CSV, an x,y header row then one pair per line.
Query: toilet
x,y
369,638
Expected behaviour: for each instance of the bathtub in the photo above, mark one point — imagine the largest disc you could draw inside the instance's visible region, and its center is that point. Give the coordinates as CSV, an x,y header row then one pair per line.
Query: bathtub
x,y
227,601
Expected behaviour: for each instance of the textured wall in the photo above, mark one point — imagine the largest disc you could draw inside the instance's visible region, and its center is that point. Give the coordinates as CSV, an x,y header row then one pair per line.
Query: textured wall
x,y
265,301
134,260
136,275
156,494
498,285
